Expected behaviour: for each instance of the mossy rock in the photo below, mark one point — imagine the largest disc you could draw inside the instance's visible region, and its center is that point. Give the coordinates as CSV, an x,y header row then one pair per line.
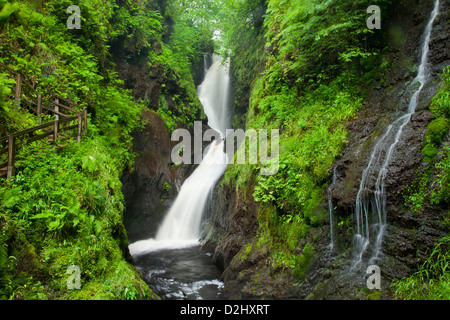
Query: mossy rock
x,y
376,295
430,151
437,130
302,262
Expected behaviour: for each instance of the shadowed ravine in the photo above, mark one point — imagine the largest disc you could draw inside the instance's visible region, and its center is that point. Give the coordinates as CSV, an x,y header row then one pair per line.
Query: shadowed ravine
x,y
172,262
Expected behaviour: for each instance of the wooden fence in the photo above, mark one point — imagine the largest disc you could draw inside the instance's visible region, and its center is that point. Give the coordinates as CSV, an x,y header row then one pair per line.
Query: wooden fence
x,y
68,115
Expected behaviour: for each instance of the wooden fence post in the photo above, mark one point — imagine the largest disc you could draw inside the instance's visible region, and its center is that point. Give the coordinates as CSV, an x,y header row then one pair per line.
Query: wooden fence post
x,y
85,120
11,156
55,131
56,126
80,126
18,92
39,108
56,109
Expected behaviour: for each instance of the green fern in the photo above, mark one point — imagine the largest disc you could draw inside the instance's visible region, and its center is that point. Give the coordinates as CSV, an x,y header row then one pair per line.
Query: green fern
x,y
7,11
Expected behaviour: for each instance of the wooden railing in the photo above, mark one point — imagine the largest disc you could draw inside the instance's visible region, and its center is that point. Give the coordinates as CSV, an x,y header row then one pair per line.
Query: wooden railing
x,y
68,115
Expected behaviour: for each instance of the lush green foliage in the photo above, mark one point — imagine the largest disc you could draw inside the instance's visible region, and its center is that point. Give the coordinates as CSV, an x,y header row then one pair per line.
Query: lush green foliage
x,y
314,134
241,22
65,208
440,112
313,41
41,47
432,184
182,50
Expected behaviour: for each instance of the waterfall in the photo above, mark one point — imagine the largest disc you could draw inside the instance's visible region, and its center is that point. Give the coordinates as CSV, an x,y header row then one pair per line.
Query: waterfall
x,y
214,93
380,160
182,225
331,210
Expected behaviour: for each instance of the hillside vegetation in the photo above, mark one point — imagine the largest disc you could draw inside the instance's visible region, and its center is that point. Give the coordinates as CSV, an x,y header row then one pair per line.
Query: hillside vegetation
x,y
65,205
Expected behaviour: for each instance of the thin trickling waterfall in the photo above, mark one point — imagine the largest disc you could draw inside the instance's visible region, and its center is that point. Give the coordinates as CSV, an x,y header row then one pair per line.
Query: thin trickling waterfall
x,y
379,163
182,225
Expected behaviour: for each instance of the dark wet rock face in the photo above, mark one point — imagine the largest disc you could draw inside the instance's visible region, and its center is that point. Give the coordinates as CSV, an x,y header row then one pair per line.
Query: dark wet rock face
x,y
151,185
232,224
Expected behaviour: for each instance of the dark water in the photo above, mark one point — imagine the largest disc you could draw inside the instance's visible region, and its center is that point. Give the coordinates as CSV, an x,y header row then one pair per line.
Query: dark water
x,y
181,274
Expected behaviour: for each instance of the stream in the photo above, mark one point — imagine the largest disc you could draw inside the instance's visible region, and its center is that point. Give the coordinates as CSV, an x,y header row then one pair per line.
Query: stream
x,y
179,274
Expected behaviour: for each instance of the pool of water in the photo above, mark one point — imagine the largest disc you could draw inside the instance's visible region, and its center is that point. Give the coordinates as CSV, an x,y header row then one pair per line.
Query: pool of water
x,y
181,274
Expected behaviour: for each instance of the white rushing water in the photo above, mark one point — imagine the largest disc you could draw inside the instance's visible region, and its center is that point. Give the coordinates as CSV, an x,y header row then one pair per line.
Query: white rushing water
x,y
214,94
181,227
379,163
331,211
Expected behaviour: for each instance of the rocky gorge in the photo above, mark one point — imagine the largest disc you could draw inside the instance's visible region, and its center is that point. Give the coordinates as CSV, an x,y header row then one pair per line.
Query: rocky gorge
x,y
235,216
